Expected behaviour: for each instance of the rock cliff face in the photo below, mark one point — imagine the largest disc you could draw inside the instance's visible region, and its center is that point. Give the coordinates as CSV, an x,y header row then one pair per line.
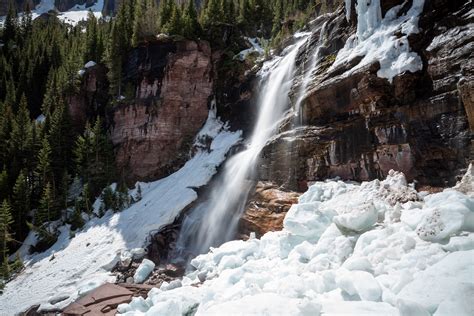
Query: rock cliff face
x,y
173,84
92,98
359,126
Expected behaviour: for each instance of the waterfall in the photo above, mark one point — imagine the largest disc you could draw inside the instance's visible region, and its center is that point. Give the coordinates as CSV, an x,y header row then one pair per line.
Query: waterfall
x,y
307,77
214,221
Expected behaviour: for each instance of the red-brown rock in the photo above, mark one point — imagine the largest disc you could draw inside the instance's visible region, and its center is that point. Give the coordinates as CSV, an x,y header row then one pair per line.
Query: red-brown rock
x,y
266,210
154,133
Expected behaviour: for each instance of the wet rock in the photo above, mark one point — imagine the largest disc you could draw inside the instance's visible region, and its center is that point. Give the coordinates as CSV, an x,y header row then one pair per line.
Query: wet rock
x,y
266,210
102,301
358,126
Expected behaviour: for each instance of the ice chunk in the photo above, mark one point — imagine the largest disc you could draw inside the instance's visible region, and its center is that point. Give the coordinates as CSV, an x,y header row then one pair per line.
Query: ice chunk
x,y
458,243
341,308
261,304
358,263
410,308
359,219
437,283
308,220
459,303
446,214
143,271
359,283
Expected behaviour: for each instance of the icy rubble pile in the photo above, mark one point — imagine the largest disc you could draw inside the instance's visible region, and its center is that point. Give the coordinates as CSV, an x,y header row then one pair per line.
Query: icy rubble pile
x,y
383,39
378,248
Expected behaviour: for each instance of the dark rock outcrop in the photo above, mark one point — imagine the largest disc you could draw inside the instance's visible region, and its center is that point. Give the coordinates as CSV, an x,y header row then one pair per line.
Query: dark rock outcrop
x,y
92,97
173,83
359,126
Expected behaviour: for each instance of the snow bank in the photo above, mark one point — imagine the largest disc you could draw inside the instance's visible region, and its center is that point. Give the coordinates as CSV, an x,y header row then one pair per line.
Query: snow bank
x,y
326,261
72,16
383,40
74,267
256,48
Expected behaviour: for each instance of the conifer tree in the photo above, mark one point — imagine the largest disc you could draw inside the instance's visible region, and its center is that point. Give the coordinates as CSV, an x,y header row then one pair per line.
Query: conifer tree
x,y
212,13
175,25
26,21
191,26
10,27
6,220
43,170
21,204
21,139
45,212
92,39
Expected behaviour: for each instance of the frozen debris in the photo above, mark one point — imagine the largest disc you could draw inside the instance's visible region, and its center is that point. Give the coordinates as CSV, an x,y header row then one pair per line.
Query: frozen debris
x,y
376,40
81,72
451,276
143,271
314,266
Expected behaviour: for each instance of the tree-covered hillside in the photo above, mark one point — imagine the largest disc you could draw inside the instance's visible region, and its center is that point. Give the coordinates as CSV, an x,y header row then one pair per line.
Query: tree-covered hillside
x,y
46,165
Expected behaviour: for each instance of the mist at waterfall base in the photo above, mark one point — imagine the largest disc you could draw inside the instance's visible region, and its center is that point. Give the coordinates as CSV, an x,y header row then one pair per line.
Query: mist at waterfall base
x,y
214,221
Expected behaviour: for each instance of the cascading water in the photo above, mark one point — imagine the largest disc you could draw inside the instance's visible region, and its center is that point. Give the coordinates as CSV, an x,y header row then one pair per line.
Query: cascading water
x,y
214,221
307,77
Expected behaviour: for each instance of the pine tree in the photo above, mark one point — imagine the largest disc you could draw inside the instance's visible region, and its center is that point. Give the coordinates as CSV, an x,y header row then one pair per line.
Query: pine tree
x,y
21,139
21,204
6,119
45,212
5,236
26,21
43,171
92,40
10,27
191,26
212,13
175,25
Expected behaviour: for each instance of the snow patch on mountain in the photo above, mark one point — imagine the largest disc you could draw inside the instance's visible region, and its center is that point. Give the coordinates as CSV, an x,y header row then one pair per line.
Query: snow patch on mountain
x,y
73,267
72,16
383,40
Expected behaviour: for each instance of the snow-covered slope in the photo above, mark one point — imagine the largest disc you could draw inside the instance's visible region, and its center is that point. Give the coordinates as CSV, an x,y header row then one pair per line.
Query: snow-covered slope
x,y
72,16
75,266
378,248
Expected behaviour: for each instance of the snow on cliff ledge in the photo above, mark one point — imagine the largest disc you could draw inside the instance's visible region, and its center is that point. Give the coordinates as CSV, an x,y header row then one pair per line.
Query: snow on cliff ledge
x,y
73,267
384,40
378,248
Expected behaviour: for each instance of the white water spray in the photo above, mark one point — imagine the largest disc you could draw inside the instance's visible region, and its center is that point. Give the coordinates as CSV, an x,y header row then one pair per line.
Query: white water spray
x,y
214,221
